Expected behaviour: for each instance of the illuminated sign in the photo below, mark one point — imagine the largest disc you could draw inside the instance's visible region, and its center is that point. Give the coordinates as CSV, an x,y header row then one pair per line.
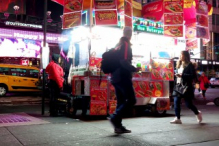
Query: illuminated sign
x,y
146,25
51,37
204,62
9,23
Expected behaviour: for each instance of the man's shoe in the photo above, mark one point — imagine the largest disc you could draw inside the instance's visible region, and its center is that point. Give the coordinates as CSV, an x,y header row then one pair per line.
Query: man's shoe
x,y
122,130
199,117
176,121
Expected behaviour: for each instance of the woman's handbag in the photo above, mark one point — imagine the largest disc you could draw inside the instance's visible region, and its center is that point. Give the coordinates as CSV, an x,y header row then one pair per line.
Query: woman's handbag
x,y
180,88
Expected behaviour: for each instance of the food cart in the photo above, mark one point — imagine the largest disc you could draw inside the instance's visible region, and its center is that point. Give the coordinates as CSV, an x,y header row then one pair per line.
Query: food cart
x,y
89,42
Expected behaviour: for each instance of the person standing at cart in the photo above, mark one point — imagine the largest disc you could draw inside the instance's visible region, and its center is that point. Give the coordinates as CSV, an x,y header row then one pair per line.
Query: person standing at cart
x,y
185,75
121,79
55,75
204,83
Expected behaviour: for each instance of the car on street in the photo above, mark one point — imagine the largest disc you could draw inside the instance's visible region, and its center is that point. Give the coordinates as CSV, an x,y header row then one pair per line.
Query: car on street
x,y
214,82
18,78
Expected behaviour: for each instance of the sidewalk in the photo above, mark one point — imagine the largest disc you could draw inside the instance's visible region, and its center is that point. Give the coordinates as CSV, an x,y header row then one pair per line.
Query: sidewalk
x,y
146,131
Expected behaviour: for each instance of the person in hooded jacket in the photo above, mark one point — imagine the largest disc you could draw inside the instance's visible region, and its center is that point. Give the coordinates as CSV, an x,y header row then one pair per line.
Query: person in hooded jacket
x,y
121,79
55,75
203,79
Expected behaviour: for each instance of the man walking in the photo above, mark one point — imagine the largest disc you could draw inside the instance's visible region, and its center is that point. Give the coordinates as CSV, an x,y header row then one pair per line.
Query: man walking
x,y
122,82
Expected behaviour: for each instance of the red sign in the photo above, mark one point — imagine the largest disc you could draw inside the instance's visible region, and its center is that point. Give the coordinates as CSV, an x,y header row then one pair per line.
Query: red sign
x,y
152,7
128,8
72,5
173,7
112,106
71,20
162,69
202,20
128,21
173,31
101,4
94,62
106,17
61,2
173,18
98,94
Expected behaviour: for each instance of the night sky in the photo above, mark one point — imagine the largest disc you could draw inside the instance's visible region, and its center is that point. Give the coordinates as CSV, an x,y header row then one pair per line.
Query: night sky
x,y
36,8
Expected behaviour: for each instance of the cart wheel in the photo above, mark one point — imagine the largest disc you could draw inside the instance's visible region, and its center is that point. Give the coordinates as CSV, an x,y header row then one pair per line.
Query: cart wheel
x,y
216,101
158,112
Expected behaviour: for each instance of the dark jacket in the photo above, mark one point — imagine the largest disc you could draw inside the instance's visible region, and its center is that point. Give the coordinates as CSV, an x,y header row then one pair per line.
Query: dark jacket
x,y
124,72
188,76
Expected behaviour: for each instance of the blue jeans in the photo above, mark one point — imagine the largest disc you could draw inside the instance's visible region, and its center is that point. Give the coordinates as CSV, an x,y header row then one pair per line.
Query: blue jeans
x,y
189,104
125,100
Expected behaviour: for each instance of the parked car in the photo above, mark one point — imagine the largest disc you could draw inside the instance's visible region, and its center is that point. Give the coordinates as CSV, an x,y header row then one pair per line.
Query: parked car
x,y
214,82
18,78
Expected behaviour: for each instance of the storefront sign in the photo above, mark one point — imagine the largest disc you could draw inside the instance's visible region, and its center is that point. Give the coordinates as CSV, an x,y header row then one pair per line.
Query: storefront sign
x,y
51,38
72,5
103,4
191,44
9,23
71,20
146,25
106,17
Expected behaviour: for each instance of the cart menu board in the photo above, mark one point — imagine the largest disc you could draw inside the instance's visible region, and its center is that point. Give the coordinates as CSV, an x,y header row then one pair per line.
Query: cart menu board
x,y
202,21
148,89
162,69
98,108
112,99
72,5
112,106
98,94
72,13
173,18
103,4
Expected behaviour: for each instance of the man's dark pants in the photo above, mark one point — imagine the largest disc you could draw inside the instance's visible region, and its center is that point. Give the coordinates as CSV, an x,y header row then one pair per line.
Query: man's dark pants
x,y
125,100
54,95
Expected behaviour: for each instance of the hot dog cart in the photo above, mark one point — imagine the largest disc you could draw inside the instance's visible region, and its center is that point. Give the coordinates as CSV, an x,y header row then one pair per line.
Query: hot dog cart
x,y
151,51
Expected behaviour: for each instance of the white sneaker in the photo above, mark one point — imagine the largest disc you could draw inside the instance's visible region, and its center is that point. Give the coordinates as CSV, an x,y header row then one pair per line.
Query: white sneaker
x,y
199,117
176,121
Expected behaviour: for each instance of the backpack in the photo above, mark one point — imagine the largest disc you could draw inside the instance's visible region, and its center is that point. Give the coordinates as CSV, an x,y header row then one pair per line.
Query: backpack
x,y
110,61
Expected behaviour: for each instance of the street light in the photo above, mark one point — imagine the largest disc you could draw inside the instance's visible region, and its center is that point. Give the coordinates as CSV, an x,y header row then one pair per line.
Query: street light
x,y
16,8
49,17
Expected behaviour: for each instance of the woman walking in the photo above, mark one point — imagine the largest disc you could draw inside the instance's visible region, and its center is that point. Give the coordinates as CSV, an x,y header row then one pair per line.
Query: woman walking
x,y
185,75
204,83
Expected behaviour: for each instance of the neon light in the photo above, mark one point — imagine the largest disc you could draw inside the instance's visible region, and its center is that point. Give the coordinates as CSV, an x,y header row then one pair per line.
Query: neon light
x,y
51,37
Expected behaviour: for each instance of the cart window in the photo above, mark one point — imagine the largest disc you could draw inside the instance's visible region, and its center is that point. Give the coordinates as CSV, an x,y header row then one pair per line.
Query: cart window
x,y
18,72
34,73
4,71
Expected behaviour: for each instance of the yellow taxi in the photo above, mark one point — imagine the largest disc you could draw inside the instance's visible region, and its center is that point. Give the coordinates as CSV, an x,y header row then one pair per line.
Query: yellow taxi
x,y
18,78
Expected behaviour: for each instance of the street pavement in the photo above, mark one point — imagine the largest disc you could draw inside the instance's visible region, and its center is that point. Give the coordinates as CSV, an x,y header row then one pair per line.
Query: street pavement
x,y
147,130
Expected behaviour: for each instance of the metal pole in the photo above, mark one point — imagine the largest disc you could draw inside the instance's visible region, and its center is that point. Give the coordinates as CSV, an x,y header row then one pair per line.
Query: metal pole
x,y
44,45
